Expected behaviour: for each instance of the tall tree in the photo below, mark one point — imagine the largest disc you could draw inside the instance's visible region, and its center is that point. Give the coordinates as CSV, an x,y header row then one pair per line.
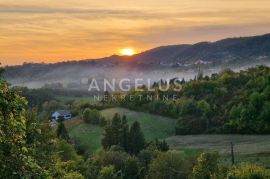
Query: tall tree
x,y
111,134
15,159
124,133
61,130
136,138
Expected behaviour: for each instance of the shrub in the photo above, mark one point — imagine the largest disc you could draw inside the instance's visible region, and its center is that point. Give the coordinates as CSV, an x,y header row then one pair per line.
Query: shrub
x,y
248,171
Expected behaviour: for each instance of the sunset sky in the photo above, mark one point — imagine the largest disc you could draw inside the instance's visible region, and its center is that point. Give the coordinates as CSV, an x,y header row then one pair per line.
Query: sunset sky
x,y
58,30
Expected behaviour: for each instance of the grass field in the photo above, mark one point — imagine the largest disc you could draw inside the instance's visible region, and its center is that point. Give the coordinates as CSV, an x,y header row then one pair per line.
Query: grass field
x,y
89,136
153,126
247,148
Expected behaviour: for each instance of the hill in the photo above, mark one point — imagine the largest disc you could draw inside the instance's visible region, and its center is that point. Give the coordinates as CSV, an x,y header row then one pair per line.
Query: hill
x,y
89,136
227,102
160,62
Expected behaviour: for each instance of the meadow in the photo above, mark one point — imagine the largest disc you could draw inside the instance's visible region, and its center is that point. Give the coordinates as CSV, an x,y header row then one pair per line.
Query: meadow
x,y
247,148
89,136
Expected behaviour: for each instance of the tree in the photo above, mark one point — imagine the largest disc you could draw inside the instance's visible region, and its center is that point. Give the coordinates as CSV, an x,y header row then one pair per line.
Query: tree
x,y
136,138
111,135
28,146
169,165
245,170
159,145
204,108
107,172
15,159
61,130
115,158
131,170
206,167
92,116
124,133
40,137
66,151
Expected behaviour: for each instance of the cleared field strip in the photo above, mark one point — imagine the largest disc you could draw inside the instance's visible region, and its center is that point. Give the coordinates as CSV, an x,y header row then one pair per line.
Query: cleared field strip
x,y
243,144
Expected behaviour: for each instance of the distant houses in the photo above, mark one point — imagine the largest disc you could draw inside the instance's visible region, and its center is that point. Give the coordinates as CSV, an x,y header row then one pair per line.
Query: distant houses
x,y
61,113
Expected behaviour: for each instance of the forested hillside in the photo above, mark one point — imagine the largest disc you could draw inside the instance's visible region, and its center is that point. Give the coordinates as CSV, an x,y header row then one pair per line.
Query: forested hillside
x,y
31,147
227,102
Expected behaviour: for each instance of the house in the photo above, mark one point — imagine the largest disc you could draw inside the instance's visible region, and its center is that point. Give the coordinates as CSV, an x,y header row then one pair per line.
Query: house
x,y
61,113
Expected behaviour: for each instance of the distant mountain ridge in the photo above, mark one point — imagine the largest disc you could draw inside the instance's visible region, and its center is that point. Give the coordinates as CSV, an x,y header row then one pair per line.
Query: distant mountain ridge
x,y
231,51
225,49
220,51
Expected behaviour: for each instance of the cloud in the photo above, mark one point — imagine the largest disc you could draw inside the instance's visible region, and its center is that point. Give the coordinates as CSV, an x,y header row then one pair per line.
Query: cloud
x,y
32,31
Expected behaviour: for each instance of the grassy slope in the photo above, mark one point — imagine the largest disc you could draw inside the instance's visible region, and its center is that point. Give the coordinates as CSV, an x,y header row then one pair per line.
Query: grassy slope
x,y
247,148
153,126
90,136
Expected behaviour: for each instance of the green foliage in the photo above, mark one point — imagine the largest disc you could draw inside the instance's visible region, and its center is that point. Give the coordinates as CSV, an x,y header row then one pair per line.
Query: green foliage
x,y
206,166
66,151
61,131
91,168
117,133
51,106
112,132
124,132
35,97
92,116
169,165
248,171
132,168
107,172
159,145
228,102
88,137
28,147
153,126
15,158
73,175
115,164
136,139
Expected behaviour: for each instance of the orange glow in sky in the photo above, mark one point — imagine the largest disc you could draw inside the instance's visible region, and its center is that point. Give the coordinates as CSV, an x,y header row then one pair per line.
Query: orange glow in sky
x,y
127,52
51,31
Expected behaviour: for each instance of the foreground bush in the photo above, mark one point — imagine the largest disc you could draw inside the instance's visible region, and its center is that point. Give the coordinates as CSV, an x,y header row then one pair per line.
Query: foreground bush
x,y
169,165
248,171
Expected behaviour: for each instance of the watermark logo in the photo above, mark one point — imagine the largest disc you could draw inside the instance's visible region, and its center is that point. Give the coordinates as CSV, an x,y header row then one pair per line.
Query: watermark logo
x,y
138,89
137,84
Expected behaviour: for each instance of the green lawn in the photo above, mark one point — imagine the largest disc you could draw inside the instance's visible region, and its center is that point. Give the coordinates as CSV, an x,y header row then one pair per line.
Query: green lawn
x,y
153,126
90,136
87,135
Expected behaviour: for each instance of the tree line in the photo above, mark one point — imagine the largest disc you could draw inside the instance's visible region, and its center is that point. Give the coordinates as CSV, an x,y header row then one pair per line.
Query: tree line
x,y
225,102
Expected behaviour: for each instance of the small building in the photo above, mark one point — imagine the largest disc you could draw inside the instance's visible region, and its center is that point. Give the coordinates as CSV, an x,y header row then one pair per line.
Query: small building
x,y
61,113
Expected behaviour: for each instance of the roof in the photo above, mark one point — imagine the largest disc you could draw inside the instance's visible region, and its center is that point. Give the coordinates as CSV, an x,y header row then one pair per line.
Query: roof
x,y
63,112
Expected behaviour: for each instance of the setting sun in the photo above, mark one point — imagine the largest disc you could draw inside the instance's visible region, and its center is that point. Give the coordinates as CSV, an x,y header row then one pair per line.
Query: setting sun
x,y
127,51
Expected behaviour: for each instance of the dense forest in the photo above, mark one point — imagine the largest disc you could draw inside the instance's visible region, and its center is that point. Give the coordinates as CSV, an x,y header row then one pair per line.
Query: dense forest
x,y
30,147
227,102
